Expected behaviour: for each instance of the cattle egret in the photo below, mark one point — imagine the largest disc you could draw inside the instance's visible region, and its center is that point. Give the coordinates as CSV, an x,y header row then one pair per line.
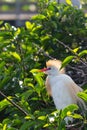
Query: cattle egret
x,y
61,87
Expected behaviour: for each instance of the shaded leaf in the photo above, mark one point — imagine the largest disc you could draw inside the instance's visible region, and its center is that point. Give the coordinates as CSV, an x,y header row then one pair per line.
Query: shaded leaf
x,y
27,125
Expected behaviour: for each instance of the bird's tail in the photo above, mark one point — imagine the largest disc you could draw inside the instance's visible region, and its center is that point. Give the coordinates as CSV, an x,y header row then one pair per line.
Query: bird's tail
x,y
82,106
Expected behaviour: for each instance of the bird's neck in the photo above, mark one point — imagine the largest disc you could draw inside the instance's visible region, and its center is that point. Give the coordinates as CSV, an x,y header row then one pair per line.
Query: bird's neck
x,y
53,75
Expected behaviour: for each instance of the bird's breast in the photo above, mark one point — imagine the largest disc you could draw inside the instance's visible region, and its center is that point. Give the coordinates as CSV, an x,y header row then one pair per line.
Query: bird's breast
x,y
60,93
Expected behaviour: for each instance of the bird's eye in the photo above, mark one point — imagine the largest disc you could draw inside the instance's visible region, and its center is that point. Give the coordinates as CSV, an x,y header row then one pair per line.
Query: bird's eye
x,y
49,68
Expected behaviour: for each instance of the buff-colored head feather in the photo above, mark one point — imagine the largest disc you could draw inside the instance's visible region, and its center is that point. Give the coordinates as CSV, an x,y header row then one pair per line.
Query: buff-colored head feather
x,y
57,64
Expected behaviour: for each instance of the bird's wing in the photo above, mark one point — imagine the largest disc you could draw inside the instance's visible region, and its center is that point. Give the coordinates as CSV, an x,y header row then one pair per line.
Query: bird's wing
x,y
48,87
74,89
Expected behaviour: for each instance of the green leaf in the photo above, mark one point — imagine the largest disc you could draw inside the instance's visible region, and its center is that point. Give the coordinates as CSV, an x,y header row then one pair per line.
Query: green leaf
x,y
69,2
76,49
2,65
4,103
29,25
26,125
30,116
82,53
34,71
5,127
46,125
38,76
77,116
36,28
4,81
69,109
44,38
17,32
7,26
66,61
42,117
16,56
39,17
83,95
39,79
1,22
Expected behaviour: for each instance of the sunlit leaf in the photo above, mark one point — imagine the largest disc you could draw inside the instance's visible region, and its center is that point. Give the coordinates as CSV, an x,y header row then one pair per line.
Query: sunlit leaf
x,y
83,95
77,116
76,50
16,55
82,53
29,25
30,117
69,2
17,32
44,38
5,127
38,76
42,117
39,17
69,109
1,22
4,103
46,125
34,70
7,26
66,61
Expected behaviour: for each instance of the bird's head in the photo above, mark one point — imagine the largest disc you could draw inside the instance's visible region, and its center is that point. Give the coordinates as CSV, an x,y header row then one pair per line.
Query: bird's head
x,y
53,67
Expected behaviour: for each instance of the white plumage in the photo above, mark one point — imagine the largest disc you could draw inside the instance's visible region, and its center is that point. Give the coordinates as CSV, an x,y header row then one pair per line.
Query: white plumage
x,y
61,87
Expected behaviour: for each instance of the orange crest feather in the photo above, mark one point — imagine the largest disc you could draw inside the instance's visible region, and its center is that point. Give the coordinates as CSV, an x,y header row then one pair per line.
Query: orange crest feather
x,y
57,64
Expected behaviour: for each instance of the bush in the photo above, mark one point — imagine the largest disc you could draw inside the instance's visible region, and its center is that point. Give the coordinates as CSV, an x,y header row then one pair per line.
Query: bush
x,y
22,50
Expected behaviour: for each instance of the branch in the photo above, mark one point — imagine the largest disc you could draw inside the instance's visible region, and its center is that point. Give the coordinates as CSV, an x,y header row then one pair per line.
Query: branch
x,y
14,104
42,51
47,55
81,60
75,125
82,76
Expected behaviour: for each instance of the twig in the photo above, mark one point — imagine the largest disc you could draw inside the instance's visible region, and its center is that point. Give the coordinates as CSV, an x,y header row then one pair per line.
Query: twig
x,y
42,51
13,103
81,60
75,125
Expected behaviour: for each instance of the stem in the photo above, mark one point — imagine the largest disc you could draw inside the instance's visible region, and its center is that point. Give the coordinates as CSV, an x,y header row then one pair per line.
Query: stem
x,y
42,51
14,104
81,60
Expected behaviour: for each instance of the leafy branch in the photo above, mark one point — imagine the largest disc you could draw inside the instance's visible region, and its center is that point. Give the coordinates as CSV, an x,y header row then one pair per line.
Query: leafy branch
x,y
76,54
14,104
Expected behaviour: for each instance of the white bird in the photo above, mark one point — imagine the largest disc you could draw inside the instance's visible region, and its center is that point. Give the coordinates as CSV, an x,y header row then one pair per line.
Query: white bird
x,y
61,87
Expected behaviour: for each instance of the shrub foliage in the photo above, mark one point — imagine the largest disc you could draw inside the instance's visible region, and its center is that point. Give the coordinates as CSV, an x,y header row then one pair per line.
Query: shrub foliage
x,y
24,103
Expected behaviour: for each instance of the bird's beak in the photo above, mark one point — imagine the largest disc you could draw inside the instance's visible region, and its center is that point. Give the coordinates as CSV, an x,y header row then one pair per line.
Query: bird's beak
x,y
43,70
